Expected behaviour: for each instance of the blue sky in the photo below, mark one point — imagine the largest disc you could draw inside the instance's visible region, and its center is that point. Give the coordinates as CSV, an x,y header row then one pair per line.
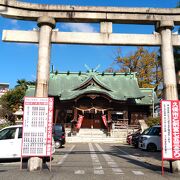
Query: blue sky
x,y
19,61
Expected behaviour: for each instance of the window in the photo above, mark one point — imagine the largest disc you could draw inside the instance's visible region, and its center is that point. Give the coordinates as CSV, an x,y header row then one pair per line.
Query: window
x,y
58,129
20,133
146,131
117,117
8,133
155,131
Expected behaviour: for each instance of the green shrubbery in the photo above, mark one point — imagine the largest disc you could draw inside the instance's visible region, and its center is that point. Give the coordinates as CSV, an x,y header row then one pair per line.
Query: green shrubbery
x,y
5,125
153,121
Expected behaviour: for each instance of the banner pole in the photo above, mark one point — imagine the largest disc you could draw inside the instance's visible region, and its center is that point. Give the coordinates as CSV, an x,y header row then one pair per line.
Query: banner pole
x,y
21,164
170,166
50,162
162,168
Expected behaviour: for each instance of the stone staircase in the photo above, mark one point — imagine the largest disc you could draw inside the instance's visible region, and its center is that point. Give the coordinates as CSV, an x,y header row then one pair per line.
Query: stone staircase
x,y
91,133
97,135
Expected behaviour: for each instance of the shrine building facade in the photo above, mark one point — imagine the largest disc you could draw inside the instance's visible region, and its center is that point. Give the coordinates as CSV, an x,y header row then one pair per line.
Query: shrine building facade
x,y
98,100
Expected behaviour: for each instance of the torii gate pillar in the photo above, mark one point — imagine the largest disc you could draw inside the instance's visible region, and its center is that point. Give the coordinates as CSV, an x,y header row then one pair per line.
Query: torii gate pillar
x,y
46,24
165,29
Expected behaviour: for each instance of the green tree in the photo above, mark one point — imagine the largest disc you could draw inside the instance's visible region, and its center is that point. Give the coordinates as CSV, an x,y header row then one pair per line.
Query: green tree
x,y
147,65
11,100
24,84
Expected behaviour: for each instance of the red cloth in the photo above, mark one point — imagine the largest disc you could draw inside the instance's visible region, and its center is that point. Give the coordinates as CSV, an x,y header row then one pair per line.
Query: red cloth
x,y
80,119
104,120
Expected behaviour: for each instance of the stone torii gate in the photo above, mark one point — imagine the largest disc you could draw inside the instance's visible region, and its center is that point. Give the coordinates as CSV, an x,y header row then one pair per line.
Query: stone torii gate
x,y
46,17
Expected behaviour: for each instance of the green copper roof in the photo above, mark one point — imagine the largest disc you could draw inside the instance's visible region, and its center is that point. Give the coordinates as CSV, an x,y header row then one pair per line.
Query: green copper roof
x,y
71,85
149,98
117,86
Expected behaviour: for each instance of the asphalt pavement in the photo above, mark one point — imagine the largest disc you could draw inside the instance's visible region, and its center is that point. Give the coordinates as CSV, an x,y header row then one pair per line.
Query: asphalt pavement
x,y
93,161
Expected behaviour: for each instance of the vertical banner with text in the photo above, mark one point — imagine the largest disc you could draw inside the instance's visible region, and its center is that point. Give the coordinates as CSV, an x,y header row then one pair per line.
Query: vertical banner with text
x,y
170,124
37,126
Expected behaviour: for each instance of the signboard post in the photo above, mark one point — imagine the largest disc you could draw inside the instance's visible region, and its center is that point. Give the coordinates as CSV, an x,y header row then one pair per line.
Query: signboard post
x,y
37,127
170,130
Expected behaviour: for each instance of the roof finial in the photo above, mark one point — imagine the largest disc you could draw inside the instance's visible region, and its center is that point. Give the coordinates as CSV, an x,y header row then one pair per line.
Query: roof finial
x,y
97,67
87,67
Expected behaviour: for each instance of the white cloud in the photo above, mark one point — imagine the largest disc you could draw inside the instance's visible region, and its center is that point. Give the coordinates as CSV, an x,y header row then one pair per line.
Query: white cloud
x,y
14,22
79,27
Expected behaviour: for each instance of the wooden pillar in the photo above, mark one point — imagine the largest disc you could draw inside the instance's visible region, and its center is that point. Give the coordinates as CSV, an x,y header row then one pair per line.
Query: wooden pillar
x,y
73,129
109,123
75,114
56,115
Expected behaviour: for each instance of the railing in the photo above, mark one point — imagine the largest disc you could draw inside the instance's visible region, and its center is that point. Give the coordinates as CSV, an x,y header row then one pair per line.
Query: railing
x,y
123,124
120,124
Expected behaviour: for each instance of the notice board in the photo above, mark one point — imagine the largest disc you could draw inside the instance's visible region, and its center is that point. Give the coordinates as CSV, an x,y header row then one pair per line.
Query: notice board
x,y
37,127
170,128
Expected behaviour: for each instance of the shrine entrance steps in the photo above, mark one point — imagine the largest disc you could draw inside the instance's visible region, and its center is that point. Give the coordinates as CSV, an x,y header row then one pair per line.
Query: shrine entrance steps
x,y
97,135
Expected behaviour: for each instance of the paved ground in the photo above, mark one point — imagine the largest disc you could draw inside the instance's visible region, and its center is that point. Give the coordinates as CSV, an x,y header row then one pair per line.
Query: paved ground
x,y
94,161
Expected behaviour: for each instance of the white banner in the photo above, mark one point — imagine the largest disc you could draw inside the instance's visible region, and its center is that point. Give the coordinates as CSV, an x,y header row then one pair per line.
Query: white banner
x,y
37,126
170,124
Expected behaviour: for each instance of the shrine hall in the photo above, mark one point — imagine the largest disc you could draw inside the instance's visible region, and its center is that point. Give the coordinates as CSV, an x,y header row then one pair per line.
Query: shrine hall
x,y
98,100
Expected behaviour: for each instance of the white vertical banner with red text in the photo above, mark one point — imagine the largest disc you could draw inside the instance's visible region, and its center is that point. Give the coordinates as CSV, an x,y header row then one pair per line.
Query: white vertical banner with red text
x,y
37,127
170,124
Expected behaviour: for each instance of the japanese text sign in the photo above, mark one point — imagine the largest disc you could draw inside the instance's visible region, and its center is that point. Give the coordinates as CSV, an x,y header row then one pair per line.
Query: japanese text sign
x,y
170,124
37,126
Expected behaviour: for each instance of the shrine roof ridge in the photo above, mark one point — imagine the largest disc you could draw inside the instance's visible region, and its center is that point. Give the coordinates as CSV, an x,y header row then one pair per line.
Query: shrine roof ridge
x,y
93,72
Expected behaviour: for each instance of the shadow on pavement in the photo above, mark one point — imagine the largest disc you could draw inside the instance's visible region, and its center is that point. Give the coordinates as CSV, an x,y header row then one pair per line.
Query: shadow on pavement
x,y
24,162
10,160
1,171
148,160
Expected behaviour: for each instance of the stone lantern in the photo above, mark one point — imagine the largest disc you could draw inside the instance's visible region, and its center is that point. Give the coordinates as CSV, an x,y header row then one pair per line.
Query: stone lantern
x,y
19,115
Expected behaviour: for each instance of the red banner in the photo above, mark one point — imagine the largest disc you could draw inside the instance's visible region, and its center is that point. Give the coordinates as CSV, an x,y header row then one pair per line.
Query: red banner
x,y
80,119
104,120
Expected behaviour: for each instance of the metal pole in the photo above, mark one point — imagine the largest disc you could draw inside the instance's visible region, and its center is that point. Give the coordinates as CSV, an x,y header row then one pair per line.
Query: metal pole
x,y
153,102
